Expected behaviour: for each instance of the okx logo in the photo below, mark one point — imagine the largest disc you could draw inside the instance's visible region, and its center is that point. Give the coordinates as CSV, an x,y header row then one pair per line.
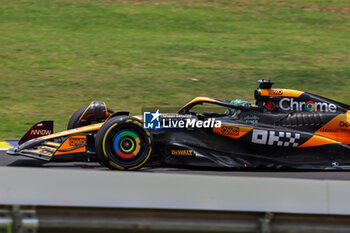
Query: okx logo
x,y
151,120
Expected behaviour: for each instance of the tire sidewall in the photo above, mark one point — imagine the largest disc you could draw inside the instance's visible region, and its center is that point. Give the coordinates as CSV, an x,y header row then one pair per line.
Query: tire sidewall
x,y
74,120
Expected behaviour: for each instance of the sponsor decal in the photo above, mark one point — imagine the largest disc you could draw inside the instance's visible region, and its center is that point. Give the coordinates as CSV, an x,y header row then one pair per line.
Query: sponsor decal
x,y
344,124
270,105
328,130
190,123
230,130
289,104
251,119
182,152
153,120
40,132
310,106
273,138
77,141
275,92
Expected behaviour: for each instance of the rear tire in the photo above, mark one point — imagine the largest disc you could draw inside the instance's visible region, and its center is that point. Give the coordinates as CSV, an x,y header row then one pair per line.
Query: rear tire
x,y
122,143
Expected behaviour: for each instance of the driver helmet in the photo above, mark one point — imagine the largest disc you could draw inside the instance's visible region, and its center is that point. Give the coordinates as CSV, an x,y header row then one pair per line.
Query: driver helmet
x,y
236,102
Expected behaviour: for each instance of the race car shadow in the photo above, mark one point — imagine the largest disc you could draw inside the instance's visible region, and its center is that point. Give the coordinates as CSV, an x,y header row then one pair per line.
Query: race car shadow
x,y
39,163
27,163
161,168
286,170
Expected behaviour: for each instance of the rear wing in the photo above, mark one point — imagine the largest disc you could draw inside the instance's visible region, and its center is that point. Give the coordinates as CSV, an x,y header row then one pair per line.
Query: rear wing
x,y
42,128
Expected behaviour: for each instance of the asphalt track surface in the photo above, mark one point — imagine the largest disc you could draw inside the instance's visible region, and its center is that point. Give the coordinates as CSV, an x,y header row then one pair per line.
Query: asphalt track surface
x,y
19,161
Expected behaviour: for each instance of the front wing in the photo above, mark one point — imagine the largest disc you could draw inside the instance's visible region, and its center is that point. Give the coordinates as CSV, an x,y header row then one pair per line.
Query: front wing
x,y
65,145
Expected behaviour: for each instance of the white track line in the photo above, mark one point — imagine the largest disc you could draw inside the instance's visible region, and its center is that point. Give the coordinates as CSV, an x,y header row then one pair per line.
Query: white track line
x,y
4,148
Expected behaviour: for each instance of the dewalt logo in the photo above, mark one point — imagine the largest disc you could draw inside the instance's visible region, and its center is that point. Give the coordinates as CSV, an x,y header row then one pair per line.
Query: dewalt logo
x,y
182,152
77,141
344,124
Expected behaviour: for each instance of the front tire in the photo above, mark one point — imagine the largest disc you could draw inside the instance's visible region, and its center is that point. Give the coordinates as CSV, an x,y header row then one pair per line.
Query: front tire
x,y
122,143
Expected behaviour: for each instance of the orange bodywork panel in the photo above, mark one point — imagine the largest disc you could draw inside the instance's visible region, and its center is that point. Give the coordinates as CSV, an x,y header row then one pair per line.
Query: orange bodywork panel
x,y
200,99
73,144
281,92
74,131
318,141
232,131
337,129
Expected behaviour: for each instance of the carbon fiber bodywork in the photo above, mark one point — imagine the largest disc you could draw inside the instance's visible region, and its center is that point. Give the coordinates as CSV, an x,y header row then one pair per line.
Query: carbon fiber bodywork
x,y
209,149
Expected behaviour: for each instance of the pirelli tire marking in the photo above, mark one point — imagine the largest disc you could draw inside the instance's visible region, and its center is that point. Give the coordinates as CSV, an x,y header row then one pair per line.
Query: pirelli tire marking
x,y
273,138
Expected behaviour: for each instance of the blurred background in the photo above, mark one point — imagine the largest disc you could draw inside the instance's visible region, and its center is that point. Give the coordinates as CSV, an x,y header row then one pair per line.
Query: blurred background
x,y
59,55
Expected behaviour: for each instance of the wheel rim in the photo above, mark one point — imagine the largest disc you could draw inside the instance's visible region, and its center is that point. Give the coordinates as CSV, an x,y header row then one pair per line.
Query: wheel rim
x,y
127,144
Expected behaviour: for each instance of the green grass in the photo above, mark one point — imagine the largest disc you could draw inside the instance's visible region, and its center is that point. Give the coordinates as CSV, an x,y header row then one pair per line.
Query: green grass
x,y
58,55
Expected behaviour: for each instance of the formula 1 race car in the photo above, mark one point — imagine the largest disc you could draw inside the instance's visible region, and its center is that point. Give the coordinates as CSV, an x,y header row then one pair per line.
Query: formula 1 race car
x,y
284,129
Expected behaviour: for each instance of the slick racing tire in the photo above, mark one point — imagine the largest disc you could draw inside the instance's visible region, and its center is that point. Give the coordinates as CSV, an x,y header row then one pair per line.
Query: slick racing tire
x,y
74,120
122,143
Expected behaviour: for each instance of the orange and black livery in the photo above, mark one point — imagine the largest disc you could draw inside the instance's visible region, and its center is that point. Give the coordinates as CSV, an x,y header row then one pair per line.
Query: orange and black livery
x,y
284,128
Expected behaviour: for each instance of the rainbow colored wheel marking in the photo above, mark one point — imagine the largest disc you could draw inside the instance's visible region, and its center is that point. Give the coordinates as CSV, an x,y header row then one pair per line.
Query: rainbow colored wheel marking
x,y
127,144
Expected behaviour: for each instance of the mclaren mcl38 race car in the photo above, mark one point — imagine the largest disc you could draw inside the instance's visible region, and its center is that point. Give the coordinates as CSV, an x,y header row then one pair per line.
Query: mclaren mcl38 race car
x,y
283,129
